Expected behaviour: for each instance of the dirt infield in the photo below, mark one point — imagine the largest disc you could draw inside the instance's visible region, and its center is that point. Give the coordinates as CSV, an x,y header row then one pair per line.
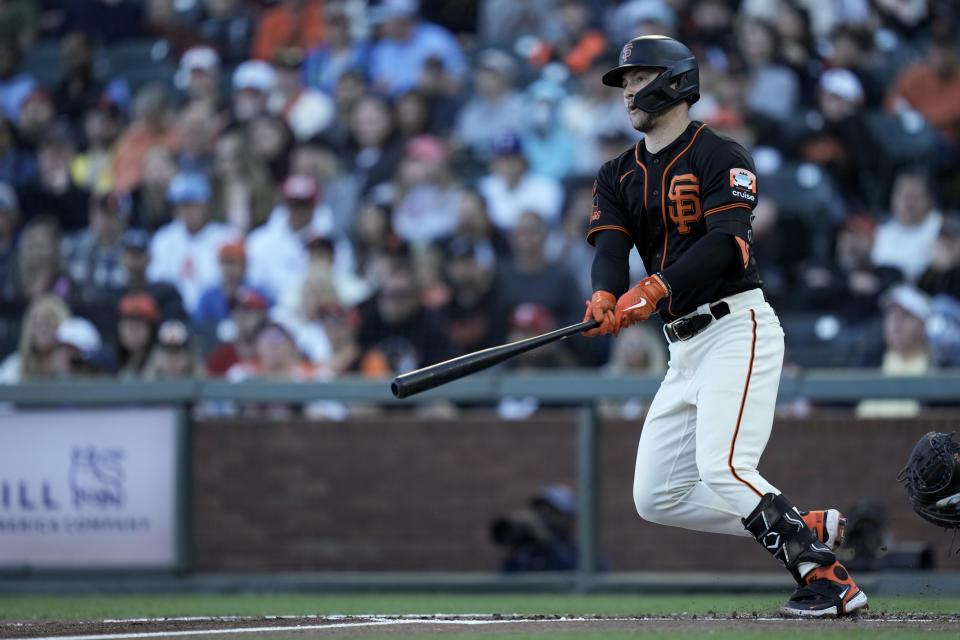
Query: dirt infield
x,y
452,625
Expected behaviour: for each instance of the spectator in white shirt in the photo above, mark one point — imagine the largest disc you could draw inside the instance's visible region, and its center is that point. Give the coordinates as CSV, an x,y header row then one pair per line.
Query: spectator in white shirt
x,y
511,188
277,252
906,240
184,252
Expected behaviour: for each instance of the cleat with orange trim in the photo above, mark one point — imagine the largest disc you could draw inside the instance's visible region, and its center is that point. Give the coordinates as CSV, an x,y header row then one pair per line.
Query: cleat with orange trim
x,y
827,525
829,592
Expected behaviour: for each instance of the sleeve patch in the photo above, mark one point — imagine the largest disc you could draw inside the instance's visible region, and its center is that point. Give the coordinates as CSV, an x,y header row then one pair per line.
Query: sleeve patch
x,y
743,180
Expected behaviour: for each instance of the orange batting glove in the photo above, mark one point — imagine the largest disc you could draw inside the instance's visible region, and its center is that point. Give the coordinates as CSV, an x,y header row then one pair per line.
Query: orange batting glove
x,y
637,304
600,308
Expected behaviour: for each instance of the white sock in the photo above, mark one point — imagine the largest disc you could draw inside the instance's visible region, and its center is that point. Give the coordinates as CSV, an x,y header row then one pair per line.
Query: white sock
x,y
806,567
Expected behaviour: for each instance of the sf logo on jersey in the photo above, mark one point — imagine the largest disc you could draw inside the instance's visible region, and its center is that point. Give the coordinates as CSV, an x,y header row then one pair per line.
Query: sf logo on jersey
x,y
684,206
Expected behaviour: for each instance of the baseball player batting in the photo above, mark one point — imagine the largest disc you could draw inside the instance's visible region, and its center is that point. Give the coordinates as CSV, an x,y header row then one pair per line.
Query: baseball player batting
x,y
684,196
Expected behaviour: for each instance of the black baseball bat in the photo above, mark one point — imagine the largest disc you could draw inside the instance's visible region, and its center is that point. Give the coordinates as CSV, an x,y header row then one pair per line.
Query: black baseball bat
x,y
449,370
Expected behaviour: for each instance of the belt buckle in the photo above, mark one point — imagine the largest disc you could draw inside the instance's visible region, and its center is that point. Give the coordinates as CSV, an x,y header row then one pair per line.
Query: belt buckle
x,y
674,331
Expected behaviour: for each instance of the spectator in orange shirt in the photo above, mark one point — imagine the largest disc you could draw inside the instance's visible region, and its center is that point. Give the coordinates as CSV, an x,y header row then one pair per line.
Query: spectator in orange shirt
x,y
932,87
152,126
292,23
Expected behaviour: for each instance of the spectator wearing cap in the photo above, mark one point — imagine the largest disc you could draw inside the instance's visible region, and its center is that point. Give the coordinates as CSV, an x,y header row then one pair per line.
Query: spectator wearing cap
x,y
339,52
511,188
152,126
243,193
172,357
198,76
906,310
277,251
35,356
247,316
307,111
78,89
852,47
184,252
228,27
252,83
138,317
93,255
906,239
495,107
426,192
290,23
136,261
840,141
92,168
80,352
214,305
932,87
407,44
15,85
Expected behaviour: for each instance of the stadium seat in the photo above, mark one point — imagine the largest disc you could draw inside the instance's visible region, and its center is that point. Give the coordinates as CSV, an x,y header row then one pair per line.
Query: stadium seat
x,y
819,340
808,207
140,61
903,137
42,61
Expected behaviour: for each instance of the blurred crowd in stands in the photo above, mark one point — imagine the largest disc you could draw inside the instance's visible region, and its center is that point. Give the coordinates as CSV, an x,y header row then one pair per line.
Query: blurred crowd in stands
x,y
303,189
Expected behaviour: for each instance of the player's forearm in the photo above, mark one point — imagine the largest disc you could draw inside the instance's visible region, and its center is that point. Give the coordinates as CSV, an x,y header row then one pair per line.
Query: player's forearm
x,y
611,262
703,262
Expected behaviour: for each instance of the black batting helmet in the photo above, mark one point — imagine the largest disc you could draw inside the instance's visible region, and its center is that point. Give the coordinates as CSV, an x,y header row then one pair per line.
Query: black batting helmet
x,y
678,63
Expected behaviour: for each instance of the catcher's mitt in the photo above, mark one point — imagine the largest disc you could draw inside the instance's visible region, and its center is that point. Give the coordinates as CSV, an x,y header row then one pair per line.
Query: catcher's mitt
x,y
932,479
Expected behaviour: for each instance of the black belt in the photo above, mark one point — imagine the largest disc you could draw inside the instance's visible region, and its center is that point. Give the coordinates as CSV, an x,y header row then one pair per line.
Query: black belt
x,y
686,328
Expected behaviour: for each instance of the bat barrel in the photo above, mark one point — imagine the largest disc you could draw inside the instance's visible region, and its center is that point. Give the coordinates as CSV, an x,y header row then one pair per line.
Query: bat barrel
x,y
444,372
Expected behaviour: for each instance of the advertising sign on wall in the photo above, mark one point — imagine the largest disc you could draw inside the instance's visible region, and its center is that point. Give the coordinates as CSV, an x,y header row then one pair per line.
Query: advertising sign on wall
x,y
89,489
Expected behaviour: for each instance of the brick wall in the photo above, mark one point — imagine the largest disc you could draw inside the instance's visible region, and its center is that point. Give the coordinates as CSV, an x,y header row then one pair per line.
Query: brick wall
x,y
403,494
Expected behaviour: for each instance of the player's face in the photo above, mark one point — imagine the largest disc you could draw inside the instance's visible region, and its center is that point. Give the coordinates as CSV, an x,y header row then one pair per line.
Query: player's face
x,y
633,81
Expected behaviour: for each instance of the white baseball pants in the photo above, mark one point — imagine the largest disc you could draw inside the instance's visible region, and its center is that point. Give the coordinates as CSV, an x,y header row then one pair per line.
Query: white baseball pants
x,y
710,421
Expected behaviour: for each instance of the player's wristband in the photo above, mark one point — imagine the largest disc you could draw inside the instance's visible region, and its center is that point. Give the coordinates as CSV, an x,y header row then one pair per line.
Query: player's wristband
x,y
666,284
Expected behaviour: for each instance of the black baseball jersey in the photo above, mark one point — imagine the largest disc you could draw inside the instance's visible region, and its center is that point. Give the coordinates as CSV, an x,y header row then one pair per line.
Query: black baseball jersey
x,y
666,201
